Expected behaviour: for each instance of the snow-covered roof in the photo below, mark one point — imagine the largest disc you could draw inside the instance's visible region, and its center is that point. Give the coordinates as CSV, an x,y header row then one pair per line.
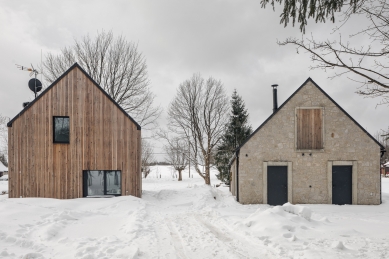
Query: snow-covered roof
x,y
3,168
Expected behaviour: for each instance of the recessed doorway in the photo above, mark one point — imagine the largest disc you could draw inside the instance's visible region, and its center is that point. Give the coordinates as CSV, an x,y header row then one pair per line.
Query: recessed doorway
x,y
342,185
277,185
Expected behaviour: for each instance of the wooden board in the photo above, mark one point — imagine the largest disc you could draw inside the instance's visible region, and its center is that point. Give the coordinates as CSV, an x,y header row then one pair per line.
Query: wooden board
x,y
309,129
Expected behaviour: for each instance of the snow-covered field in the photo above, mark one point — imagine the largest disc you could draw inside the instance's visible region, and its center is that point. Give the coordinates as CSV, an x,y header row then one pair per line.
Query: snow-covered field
x,y
189,220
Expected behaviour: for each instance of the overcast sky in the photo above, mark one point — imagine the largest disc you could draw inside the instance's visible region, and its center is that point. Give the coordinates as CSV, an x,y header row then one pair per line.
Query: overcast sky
x,y
234,41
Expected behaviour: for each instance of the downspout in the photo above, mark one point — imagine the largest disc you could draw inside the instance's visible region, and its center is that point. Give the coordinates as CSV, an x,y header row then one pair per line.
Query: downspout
x,y
237,175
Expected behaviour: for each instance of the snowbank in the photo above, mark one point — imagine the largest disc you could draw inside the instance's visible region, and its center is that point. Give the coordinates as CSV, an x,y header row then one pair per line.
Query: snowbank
x,y
301,211
3,187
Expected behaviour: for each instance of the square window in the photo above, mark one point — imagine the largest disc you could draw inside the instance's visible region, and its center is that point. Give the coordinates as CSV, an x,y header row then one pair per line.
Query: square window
x,y
309,128
61,129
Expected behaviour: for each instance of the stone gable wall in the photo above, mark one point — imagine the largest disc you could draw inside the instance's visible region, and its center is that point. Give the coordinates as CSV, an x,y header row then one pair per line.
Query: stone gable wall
x,y
343,141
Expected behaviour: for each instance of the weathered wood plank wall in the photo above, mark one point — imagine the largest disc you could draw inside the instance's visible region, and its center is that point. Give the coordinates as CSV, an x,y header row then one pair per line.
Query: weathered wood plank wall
x,y
309,129
102,137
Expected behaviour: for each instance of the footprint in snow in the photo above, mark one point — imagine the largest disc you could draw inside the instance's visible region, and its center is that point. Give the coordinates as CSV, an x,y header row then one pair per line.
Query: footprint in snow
x,y
290,237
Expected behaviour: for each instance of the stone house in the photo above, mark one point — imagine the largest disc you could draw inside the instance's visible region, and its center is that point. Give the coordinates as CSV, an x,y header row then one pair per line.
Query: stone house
x,y
309,150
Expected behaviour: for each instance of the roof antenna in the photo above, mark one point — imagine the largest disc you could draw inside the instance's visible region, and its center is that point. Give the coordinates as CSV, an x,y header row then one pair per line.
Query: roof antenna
x,y
34,84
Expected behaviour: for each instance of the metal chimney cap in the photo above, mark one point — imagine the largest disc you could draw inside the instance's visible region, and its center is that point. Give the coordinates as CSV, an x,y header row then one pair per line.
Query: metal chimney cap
x,y
275,85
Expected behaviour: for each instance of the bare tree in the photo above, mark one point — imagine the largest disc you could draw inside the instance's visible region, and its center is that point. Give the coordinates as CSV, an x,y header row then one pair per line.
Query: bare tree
x,y
147,157
117,66
4,139
198,114
177,155
384,140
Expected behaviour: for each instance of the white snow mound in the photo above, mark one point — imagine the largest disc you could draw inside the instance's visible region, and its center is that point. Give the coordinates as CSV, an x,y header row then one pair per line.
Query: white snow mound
x,y
287,224
298,210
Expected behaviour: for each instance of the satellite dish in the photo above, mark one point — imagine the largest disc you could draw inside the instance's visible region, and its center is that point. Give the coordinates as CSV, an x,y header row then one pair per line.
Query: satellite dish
x,y
35,85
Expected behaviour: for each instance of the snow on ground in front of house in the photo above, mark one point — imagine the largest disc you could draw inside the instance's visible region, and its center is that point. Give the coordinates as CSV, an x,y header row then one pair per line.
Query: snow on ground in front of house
x,y
189,220
3,187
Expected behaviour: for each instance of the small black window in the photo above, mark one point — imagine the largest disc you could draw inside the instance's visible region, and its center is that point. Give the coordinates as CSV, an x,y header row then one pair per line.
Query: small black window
x,y
61,129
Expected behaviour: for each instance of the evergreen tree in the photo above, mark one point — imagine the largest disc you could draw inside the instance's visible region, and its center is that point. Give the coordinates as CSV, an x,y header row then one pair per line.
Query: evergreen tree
x,y
237,130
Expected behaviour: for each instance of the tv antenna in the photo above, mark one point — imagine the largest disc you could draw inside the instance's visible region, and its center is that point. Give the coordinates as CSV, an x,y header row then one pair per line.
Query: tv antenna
x,y
34,84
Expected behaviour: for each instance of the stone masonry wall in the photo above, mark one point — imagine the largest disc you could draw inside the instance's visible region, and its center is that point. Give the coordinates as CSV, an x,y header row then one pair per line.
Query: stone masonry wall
x,y
275,142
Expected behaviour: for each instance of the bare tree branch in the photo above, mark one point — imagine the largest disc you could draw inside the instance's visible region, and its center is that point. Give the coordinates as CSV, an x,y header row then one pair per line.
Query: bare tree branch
x,y
177,154
368,63
4,136
147,157
117,66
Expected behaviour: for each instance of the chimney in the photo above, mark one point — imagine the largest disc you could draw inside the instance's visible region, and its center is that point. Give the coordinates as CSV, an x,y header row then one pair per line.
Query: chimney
x,y
275,105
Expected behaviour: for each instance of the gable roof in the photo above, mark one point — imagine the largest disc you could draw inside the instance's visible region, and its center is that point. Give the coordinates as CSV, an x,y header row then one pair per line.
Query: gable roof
x,y
9,124
290,97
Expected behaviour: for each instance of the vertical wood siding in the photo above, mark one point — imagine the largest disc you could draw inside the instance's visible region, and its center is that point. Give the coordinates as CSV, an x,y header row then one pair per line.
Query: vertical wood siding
x,y
102,137
309,129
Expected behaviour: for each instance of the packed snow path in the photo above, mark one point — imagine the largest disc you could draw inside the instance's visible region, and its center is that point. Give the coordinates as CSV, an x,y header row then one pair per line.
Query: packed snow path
x,y
184,225
189,220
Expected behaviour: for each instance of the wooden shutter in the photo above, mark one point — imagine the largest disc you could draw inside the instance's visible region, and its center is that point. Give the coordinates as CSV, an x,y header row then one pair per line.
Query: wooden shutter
x,y
309,129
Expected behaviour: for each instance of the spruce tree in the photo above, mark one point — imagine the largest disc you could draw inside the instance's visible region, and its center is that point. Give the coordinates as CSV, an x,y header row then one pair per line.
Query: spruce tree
x,y
237,130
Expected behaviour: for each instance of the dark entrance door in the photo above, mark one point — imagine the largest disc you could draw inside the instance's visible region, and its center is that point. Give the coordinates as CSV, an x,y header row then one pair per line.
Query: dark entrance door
x,y
101,182
277,185
342,185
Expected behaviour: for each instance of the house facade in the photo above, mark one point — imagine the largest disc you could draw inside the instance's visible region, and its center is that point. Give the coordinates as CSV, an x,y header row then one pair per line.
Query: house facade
x,y
308,151
74,141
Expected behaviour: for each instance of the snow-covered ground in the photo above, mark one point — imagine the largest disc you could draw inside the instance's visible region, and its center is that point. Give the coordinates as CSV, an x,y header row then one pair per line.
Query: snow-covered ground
x,y
189,220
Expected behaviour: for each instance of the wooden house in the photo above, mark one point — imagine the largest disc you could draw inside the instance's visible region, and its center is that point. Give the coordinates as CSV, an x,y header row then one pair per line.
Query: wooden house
x,y
309,150
74,141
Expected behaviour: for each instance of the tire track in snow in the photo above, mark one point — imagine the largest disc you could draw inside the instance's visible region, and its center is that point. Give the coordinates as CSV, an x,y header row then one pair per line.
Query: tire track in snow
x,y
177,240
252,248
199,236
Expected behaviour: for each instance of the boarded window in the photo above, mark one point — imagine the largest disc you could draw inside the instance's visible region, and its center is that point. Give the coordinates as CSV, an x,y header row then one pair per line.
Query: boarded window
x,y
309,129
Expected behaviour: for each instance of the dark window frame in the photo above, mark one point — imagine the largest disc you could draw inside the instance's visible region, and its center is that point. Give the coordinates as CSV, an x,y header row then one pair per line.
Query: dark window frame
x,y
85,184
60,142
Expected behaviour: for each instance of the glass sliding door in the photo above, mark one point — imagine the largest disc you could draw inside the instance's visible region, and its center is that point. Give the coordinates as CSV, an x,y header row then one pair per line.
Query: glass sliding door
x,y
101,182
113,182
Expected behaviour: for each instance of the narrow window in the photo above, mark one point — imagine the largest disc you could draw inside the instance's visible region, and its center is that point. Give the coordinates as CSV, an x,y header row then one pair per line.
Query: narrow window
x,y
61,129
309,129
